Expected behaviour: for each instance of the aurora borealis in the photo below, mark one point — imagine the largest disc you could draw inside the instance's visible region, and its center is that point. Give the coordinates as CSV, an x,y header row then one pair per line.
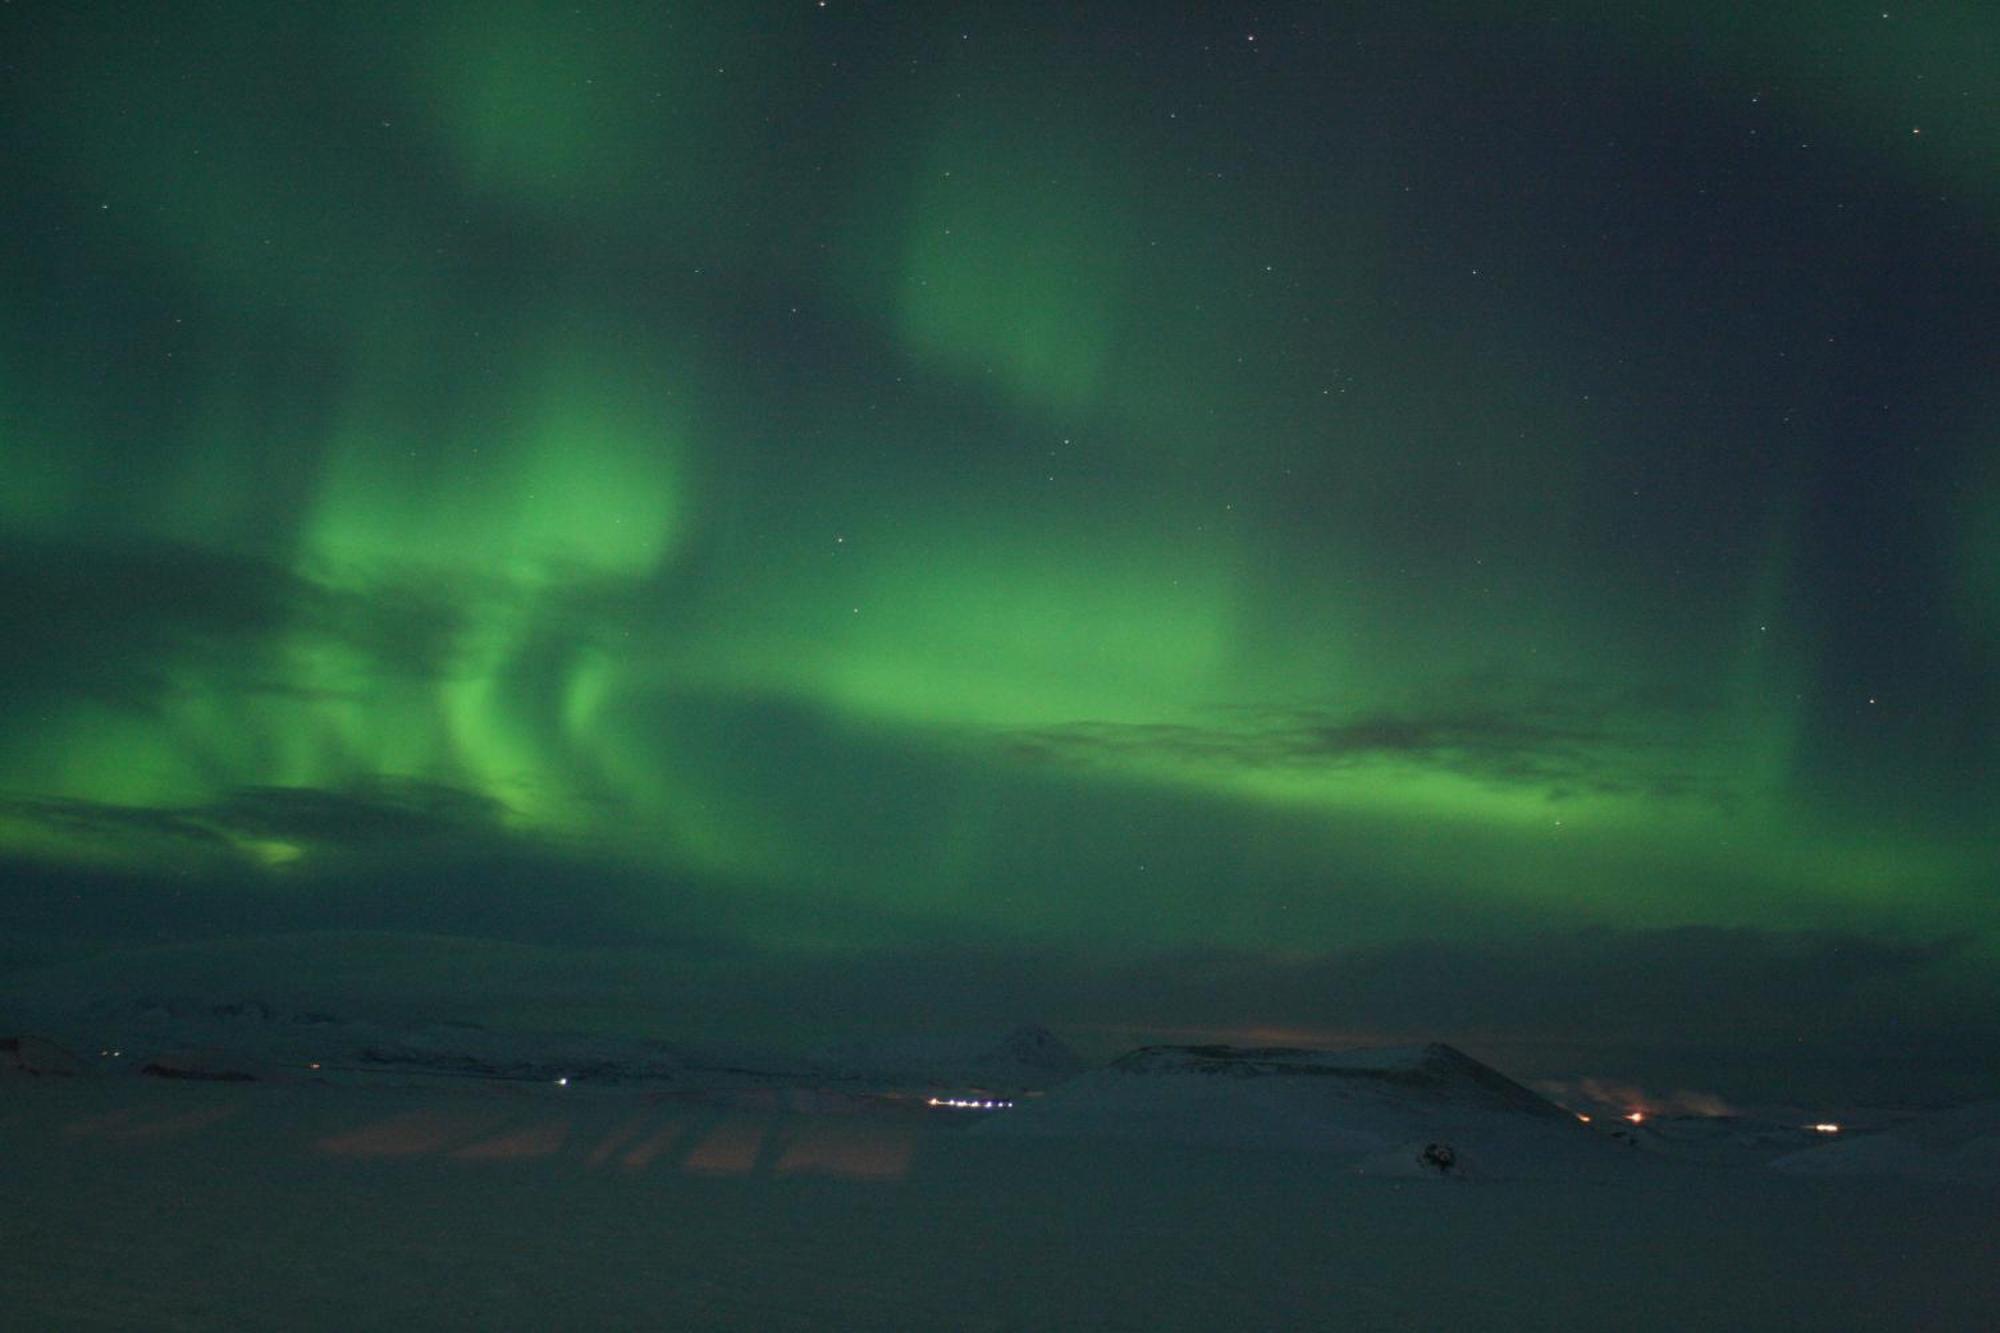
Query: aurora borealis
x,y
1307,518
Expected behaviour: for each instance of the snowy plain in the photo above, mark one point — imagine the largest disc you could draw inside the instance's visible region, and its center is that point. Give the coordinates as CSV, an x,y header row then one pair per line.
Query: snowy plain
x,y
322,1202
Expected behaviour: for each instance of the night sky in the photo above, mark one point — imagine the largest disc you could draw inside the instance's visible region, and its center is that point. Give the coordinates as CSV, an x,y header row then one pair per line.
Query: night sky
x,y
758,521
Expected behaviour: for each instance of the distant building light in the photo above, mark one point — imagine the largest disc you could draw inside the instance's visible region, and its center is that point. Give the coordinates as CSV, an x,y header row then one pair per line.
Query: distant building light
x,y
1584,1118
1825,1129
562,1081
1636,1117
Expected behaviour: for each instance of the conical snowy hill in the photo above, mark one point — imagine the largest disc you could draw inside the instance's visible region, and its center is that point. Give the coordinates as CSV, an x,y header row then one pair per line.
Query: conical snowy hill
x,y
1397,1110
1435,1072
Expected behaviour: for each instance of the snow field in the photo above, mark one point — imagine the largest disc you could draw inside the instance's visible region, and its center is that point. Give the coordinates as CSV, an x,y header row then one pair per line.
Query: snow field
x,y
140,1204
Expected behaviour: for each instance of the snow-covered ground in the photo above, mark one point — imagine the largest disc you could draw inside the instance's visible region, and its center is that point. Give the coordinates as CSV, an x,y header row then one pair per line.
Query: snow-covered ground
x,y
1418,1110
1960,1145
130,1203
390,1199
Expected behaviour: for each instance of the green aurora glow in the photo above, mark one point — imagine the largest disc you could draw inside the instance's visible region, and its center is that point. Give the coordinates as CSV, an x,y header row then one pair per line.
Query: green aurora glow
x,y
951,479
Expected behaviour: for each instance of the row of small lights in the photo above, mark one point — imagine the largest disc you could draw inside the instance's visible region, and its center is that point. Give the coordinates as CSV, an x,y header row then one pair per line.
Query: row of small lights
x,y
973,1104
956,1103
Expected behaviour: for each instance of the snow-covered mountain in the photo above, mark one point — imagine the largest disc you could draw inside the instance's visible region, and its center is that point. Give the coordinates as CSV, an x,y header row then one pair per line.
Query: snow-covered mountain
x,y
1011,1059
178,1037
1435,1072
1415,1110
172,1036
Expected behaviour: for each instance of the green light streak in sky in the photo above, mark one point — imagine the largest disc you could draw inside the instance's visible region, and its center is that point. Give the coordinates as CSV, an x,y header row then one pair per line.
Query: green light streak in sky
x,y
951,532
1022,632
540,104
578,473
1015,258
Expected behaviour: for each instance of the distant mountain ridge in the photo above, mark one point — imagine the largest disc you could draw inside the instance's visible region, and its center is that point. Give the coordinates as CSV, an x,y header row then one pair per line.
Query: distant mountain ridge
x,y
1434,1069
1027,1056
1428,1110
263,1040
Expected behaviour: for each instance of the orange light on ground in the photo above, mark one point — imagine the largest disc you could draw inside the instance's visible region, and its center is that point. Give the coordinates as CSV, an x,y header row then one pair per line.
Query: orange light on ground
x,y
1584,1118
529,1141
412,1134
730,1149
619,1137
642,1154
1636,1117
133,1125
849,1149
173,1126
1825,1129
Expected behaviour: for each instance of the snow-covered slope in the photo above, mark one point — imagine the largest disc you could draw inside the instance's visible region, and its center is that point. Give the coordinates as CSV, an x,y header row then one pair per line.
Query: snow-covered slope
x,y
1711,1140
1004,1060
253,1038
179,1037
1963,1144
1415,1110
130,1203
36,1057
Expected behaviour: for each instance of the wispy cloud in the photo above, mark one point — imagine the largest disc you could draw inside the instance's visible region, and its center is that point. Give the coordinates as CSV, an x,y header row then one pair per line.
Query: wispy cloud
x,y
367,814
1563,749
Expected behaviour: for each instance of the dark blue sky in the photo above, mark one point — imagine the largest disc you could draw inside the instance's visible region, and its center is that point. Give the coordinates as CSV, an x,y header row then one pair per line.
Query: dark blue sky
x,y
1351,521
